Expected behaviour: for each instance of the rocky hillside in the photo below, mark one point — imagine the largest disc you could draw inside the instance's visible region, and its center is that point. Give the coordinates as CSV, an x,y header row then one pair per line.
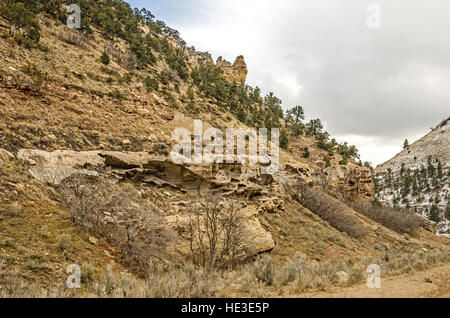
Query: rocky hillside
x,y
86,119
419,176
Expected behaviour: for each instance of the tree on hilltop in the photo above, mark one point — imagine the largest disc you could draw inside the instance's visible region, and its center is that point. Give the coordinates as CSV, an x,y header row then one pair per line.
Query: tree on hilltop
x,y
406,144
296,114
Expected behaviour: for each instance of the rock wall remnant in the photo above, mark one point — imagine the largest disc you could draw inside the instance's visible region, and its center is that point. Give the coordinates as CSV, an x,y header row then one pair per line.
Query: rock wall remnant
x,y
236,72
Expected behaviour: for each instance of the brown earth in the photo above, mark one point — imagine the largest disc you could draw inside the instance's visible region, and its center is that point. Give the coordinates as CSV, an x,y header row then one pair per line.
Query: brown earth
x,y
434,283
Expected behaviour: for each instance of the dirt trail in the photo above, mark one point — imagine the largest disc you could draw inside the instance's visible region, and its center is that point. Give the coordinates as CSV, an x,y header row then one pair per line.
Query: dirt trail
x,y
433,283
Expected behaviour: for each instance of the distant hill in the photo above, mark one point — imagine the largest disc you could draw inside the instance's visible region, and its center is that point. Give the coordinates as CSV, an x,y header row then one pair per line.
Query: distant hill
x,y
419,176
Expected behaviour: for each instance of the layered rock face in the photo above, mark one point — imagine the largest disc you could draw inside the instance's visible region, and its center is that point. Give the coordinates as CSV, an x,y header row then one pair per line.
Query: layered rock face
x,y
350,180
180,186
233,72
236,72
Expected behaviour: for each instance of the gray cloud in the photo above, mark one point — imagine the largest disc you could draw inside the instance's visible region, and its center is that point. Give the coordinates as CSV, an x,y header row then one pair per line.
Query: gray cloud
x,y
373,87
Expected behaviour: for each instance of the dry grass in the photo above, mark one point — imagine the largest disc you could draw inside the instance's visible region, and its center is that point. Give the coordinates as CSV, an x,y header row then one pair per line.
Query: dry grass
x,y
34,236
117,213
262,278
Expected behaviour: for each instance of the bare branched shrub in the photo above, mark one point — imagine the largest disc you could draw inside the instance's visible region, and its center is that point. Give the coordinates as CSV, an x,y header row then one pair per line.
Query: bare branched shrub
x,y
336,213
104,208
87,199
400,221
126,59
141,233
289,273
75,37
215,233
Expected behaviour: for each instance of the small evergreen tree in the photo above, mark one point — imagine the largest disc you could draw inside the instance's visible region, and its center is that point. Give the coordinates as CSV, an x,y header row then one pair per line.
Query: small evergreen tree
x,y
306,152
405,144
434,214
105,58
284,140
447,210
327,162
296,114
439,169
314,126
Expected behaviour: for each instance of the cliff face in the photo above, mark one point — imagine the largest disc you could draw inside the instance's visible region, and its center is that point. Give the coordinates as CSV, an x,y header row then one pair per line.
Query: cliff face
x,y
236,72
351,180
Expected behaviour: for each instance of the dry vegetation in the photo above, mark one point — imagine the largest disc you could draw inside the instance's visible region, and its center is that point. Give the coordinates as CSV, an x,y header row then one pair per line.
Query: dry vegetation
x,y
84,105
401,221
215,233
37,239
331,210
261,278
117,213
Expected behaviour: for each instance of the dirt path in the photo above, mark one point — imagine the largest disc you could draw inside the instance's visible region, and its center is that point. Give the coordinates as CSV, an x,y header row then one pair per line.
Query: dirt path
x,y
434,283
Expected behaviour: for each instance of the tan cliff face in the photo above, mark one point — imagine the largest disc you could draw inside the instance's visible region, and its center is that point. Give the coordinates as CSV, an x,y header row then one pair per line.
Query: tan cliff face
x,y
351,180
236,72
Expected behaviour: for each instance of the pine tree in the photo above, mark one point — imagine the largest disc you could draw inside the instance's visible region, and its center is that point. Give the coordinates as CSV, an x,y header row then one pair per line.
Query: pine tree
x,y
296,114
314,126
447,210
406,144
439,169
105,58
434,214
305,152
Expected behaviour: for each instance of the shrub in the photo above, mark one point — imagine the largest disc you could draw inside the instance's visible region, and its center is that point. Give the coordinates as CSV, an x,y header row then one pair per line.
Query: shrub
x,y
263,269
215,233
305,153
105,58
139,233
37,75
398,221
75,38
151,83
87,273
64,242
336,213
115,93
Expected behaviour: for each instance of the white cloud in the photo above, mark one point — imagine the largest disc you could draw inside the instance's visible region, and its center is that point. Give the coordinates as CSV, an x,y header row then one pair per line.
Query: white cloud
x,y
374,87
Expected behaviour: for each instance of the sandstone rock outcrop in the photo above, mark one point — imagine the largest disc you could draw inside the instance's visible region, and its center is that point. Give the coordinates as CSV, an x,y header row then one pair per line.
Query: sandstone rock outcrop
x,y
145,170
236,72
350,180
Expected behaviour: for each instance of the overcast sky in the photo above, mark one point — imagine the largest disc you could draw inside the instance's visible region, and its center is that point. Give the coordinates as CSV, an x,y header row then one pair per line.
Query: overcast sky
x,y
371,87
